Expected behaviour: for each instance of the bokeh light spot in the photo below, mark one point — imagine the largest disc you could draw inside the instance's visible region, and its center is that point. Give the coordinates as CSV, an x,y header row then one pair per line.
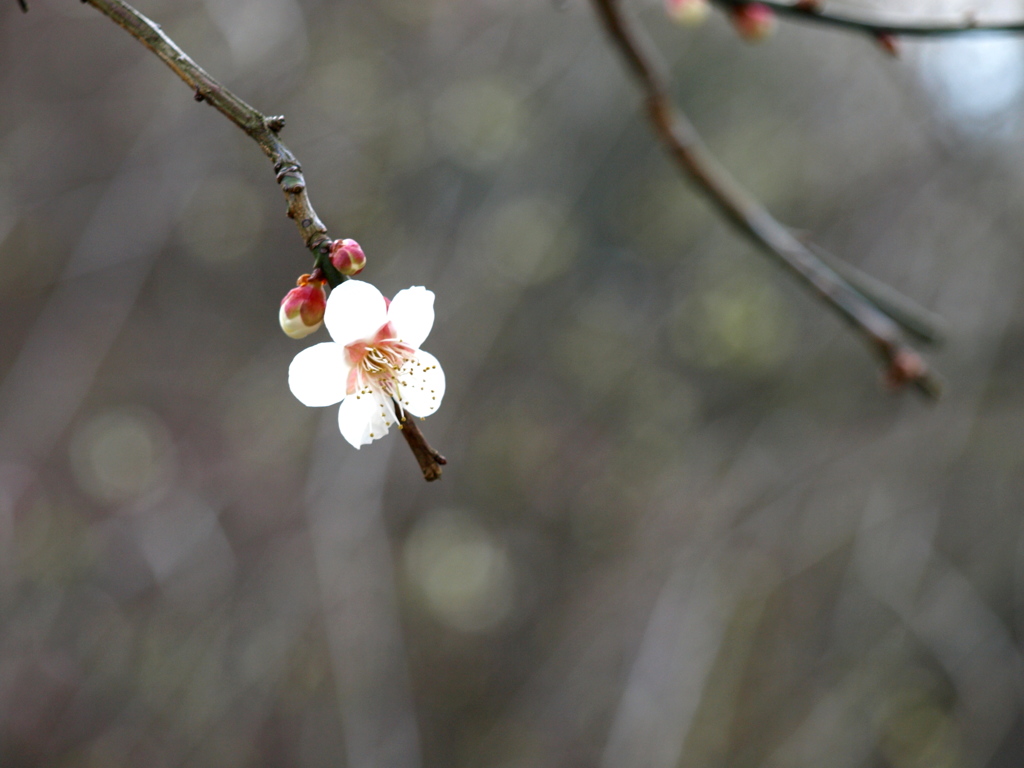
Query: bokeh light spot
x,y
530,240
976,81
741,323
463,575
120,454
477,123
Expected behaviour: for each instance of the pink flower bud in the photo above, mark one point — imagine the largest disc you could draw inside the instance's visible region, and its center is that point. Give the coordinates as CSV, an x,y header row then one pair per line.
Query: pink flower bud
x,y
888,43
347,256
302,308
688,13
753,21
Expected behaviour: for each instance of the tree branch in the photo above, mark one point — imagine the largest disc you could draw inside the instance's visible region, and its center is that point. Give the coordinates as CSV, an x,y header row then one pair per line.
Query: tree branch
x,y
916,321
814,12
263,130
903,364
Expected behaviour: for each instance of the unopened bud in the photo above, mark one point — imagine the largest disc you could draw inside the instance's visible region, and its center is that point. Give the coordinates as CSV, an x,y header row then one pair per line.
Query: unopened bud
x,y
905,367
302,308
347,256
753,21
888,43
688,13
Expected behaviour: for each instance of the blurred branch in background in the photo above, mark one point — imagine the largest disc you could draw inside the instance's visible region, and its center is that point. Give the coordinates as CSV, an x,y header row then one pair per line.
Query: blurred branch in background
x,y
356,574
924,325
814,11
903,364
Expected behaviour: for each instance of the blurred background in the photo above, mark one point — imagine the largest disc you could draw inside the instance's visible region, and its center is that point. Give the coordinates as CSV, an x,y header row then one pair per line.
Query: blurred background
x,y
683,524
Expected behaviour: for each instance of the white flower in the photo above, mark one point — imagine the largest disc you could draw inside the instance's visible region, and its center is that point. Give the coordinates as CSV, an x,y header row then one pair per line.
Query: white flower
x,y
374,361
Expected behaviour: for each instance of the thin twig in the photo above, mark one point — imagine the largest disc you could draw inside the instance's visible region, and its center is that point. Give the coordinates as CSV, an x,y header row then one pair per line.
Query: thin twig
x,y
903,364
263,130
815,12
925,326
430,461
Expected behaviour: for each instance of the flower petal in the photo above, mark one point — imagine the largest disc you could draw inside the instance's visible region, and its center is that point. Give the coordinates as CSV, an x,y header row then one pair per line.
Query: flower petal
x,y
318,375
421,384
363,419
355,310
412,314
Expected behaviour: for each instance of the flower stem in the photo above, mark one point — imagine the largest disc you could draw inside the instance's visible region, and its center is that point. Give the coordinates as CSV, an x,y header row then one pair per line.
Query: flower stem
x,y
430,461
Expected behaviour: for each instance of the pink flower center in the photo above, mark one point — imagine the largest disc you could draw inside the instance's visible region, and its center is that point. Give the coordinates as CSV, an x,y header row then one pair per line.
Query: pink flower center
x,y
376,362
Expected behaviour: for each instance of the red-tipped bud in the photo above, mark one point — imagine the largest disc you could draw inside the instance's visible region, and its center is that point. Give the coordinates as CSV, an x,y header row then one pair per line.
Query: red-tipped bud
x,y
888,43
688,13
905,367
753,21
302,308
347,256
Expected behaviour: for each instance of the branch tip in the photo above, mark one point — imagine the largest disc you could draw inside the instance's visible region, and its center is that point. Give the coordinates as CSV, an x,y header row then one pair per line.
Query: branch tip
x,y
430,461
907,367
